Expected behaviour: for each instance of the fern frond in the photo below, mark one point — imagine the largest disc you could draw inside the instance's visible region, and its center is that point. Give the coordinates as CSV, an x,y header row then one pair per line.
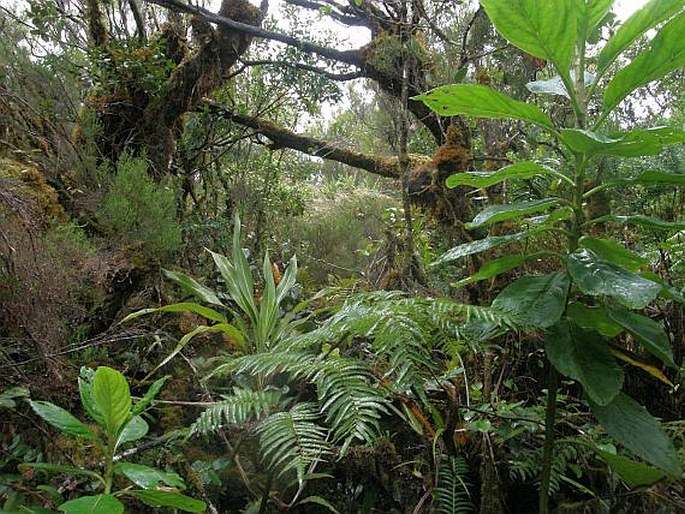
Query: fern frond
x,y
451,493
292,440
242,406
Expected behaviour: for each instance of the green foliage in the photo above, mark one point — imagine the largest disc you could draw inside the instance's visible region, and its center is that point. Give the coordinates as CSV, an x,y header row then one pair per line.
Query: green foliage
x,y
451,494
106,398
596,274
138,211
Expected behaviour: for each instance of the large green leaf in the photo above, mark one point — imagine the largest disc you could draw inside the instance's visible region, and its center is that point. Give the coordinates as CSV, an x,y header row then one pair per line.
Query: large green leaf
x,y
649,332
497,213
584,356
495,267
520,170
628,144
640,219
480,245
203,311
193,287
633,473
631,425
593,318
656,177
649,16
666,53
168,499
135,429
112,397
543,28
62,419
614,252
535,301
147,477
481,102
595,276
100,504
85,391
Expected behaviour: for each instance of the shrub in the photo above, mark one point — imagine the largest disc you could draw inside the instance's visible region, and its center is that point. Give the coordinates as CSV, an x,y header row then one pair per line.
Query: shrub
x,y
140,212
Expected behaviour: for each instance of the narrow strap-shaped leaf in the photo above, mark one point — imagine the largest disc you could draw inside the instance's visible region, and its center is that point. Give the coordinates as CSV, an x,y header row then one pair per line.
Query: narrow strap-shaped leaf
x,y
640,219
226,328
665,53
196,308
481,102
652,370
193,287
543,28
287,281
496,267
649,16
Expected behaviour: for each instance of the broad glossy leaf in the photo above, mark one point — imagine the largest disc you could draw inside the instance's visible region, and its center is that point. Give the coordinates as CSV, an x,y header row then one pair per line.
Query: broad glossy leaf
x,y
595,276
543,28
497,213
100,504
584,356
631,425
62,419
666,53
633,473
481,245
520,170
193,287
652,370
481,102
112,397
135,429
614,252
649,16
666,134
203,311
167,499
535,301
633,144
640,219
494,268
593,318
650,333
147,477
150,395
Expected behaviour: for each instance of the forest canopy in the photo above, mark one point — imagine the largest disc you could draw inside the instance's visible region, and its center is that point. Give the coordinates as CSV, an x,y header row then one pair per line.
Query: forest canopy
x,y
342,256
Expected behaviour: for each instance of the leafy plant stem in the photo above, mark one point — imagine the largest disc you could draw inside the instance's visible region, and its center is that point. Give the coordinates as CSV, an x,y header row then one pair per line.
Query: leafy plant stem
x,y
548,449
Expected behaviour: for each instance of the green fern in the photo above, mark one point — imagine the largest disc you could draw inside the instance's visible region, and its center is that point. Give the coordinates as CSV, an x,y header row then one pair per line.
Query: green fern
x,y
451,493
292,440
242,406
528,466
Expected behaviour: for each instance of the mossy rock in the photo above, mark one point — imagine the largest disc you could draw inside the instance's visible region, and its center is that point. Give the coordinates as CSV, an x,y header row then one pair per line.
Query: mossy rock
x,y
25,191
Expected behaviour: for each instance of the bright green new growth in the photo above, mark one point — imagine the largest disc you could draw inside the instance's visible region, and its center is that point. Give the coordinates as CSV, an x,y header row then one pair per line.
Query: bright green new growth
x,y
589,299
106,398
